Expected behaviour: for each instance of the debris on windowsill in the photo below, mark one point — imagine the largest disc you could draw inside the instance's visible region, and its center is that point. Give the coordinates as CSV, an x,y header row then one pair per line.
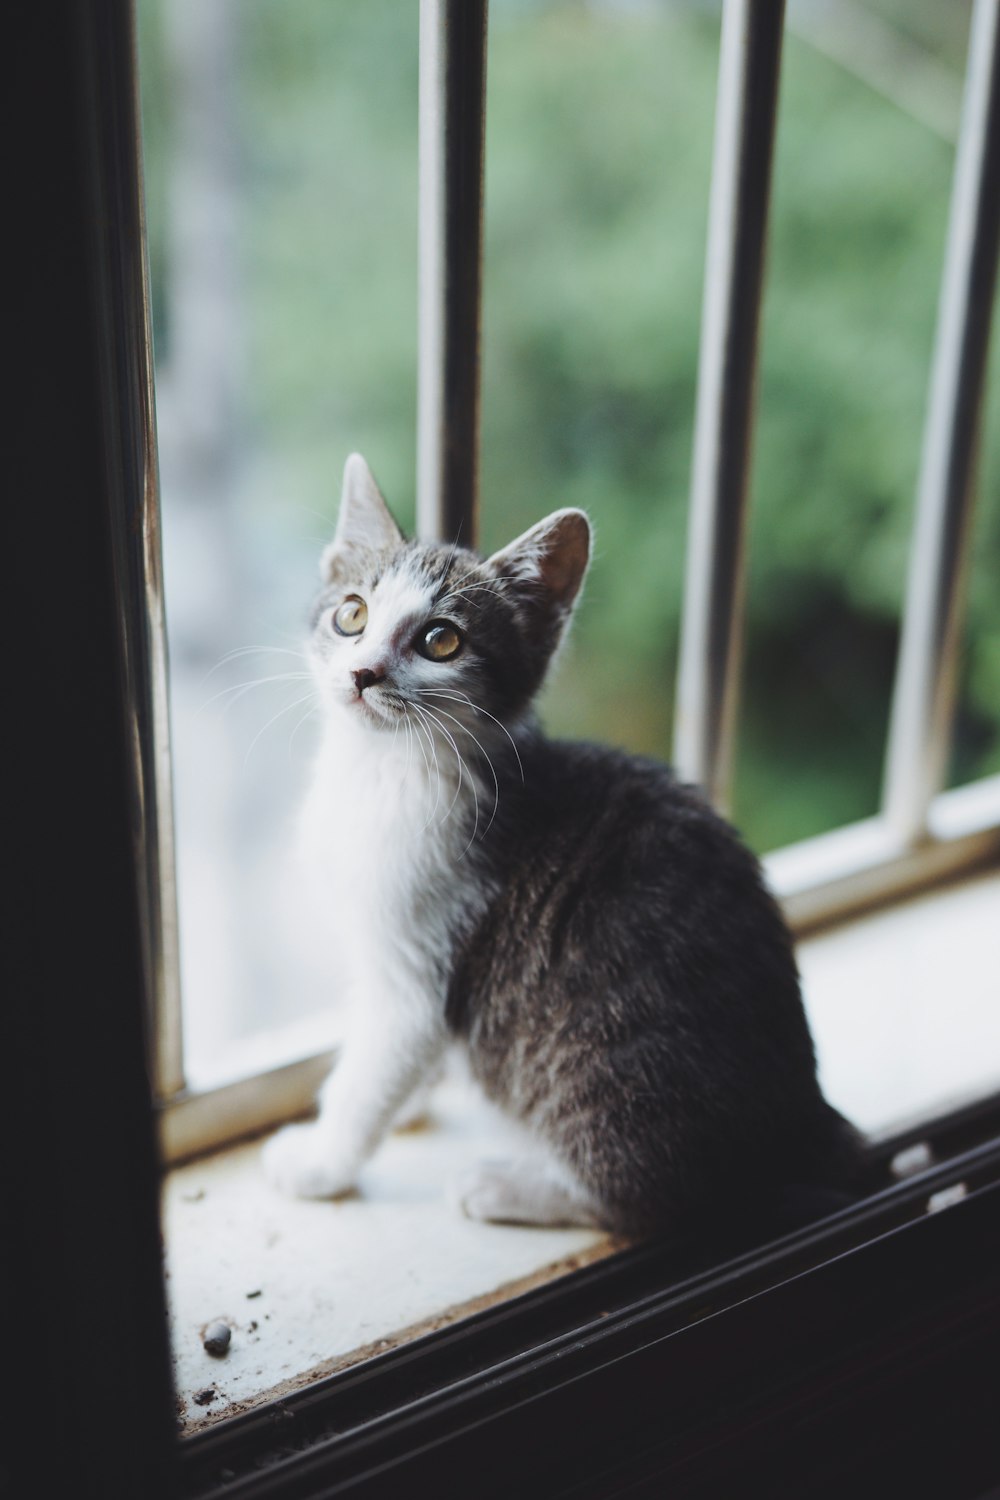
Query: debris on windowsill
x,y
947,1197
216,1338
343,1281
913,1159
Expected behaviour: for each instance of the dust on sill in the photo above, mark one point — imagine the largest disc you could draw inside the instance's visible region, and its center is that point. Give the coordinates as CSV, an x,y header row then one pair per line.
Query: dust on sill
x,y
905,1009
310,1288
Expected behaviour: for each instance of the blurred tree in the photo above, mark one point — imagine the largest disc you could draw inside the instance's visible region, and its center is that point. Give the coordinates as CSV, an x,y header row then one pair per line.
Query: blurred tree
x,y
598,156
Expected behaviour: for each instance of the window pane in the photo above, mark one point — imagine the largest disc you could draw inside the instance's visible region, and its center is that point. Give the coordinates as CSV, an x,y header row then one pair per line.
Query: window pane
x,y
599,148
862,187
281,166
282,200
976,748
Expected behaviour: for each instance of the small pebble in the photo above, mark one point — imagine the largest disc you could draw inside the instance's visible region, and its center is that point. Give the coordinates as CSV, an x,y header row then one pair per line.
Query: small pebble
x,y
217,1337
202,1398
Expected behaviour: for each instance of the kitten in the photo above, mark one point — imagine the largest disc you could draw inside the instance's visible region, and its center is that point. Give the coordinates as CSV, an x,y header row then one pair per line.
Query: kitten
x,y
589,930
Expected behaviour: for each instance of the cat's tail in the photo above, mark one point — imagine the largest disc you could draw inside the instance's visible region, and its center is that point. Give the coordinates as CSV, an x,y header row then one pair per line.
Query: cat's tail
x,y
839,1170
820,1172
846,1159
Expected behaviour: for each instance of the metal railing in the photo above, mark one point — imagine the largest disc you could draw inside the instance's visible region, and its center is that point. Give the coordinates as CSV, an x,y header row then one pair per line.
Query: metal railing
x,y
923,834
924,703
712,626
452,133
920,836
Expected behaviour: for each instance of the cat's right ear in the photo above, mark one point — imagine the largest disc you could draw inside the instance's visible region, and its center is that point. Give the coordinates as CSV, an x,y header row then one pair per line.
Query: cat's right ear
x,y
550,559
364,521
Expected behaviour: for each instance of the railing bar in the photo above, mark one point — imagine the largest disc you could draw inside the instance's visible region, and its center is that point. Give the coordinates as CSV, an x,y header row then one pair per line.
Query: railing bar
x,y
926,677
711,634
452,133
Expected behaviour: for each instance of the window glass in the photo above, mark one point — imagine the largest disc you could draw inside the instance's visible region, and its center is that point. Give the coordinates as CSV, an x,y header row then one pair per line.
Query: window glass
x,y
976,747
281,159
861,191
281,163
281,199
599,150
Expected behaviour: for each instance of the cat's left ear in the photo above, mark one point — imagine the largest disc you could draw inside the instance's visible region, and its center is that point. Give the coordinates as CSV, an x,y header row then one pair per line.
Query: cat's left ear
x,y
551,559
364,521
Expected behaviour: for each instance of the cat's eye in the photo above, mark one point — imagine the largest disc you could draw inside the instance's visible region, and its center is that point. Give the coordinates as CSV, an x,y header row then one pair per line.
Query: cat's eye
x,y
439,642
351,617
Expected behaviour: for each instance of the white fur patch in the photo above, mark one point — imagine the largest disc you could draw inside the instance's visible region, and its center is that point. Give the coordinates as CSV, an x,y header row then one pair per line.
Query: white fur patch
x,y
531,1190
383,832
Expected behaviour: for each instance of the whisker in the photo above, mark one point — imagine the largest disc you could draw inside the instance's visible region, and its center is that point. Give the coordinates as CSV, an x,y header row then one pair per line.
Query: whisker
x,y
423,733
495,578
409,746
464,698
485,754
462,768
489,585
422,728
463,595
252,651
472,781
420,743
239,688
457,595
431,722
447,566
310,510
427,717
307,715
273,720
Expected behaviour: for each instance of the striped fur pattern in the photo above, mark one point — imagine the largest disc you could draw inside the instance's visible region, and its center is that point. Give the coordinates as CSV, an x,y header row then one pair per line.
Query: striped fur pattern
x,y
596,939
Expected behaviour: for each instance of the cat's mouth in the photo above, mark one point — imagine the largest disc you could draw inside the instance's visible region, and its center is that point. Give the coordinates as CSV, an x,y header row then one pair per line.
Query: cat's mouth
x,y
379,707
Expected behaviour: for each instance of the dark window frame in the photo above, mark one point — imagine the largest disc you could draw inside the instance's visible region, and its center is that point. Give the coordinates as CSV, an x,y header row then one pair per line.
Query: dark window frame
x,y
829,1346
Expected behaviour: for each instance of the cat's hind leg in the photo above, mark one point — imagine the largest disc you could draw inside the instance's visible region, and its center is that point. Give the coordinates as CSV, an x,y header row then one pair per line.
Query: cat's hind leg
x,y
415,1111
526,1190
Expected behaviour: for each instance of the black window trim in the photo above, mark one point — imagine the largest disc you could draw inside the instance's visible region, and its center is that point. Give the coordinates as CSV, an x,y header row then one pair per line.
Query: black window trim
x,y
577,1373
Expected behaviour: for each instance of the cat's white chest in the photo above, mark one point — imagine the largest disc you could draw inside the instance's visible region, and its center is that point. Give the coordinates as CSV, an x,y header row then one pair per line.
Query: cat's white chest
x,y
383,840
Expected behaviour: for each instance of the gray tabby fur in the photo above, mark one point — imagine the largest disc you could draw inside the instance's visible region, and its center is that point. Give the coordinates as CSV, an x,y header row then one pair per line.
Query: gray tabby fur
x,y
593,935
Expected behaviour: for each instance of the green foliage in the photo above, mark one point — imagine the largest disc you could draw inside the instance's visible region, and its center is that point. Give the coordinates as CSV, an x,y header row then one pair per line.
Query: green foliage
x,y
598,161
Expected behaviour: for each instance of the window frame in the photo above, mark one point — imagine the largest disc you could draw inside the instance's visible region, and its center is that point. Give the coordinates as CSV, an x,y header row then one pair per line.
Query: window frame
x,y
89,1405
837,1343
922,835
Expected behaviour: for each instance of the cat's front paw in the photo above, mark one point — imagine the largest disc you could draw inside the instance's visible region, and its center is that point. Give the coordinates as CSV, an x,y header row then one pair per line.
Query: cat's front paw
x,y
486,1192
301,1162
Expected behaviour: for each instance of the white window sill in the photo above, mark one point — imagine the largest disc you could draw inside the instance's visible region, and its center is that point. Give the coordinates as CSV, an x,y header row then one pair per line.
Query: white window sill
x,y
905,1008
338,1281
904,1005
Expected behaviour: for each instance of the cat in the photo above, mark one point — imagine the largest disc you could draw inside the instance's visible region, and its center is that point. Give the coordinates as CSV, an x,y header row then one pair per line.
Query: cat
x,y
597,939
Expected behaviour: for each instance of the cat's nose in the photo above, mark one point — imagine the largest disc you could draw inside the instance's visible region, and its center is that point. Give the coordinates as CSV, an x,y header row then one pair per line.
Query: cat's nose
x,y
366,677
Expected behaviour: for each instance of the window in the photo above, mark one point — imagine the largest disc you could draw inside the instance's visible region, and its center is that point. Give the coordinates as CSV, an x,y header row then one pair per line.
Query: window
x,y
252,218
905,1298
